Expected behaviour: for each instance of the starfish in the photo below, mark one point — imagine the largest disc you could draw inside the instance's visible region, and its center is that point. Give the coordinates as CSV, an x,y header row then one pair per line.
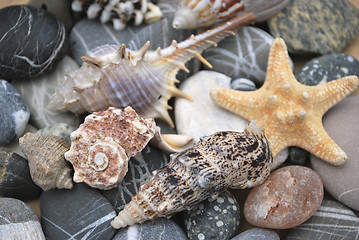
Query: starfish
x,y
290,111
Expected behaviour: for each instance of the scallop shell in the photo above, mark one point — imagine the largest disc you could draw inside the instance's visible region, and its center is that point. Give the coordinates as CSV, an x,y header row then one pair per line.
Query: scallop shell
x,y
102,145
145,80
193,14
219,161
45,154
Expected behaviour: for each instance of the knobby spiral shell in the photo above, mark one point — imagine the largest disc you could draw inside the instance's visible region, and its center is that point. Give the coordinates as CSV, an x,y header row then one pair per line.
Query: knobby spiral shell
x,y
219,161
145,80
193,14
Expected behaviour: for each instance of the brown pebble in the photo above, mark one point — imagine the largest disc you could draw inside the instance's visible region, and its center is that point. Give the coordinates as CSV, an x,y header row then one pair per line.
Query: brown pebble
x,y
287,198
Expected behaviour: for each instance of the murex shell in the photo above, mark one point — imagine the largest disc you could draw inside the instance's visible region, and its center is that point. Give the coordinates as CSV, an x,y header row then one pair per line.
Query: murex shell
x,y
193,14
115,76
224,159
45,154
102,145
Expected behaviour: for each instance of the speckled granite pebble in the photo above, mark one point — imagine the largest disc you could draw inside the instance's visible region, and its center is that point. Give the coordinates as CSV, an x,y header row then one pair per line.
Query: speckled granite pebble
x,y
320,27
213,218
257,234
341,123
18,221
14,113
33,39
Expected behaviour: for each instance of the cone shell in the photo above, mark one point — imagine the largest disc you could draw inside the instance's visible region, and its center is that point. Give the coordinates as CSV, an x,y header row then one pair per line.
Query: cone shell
x,y
45,154
102,145
219,161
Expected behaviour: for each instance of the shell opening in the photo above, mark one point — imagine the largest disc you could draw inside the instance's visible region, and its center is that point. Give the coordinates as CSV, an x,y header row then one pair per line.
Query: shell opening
x,y
185,18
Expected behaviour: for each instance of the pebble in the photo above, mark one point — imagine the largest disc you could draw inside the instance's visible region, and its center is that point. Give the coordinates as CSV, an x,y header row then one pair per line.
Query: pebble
x,y
15,178
297,156
39,35
18,221
37,92
243,55
62,130
202,117
319,27
79,213
14,113
161,228
341,123
327,68
287,198
257,234
243,84
140,169
331,221
216,218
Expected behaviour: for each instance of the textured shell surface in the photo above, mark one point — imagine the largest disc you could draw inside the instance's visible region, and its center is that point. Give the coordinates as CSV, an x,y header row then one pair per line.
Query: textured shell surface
x,y
45,154
219,161
145,80
102,145
192,14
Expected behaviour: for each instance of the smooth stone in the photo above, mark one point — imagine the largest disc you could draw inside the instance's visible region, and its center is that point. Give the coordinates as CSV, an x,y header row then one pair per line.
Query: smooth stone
x,y
243,84
37,93
257,234
243,55
161,228
87,34
15,178
13,111
39,35
341,123
18,221
319,27
79,213
216,218
327,68
297,156
202,117
331,221
62,130
287,198
140,169
14,145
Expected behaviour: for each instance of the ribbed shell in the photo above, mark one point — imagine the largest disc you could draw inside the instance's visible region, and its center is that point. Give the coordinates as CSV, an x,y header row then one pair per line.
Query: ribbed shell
x,y
115,76
219,161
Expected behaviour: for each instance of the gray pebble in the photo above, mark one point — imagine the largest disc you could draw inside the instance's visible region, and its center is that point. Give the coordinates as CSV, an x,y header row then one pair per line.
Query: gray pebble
x,y
257,234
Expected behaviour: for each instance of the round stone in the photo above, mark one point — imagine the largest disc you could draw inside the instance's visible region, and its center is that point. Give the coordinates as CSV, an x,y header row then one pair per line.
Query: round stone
x,y
257,234
341,123
288,197
297,156
243,84
214,218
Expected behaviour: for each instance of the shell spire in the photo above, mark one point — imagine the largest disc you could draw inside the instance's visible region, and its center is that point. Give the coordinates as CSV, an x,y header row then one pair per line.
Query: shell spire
x,y
219,161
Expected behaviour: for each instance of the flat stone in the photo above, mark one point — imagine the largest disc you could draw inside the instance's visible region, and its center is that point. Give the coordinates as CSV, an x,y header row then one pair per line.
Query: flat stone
x,y
13,111
202,117
257,234
331,221
319,27
161,228
18,220
37,92
287,198
213,218
39,35
79,213
341,123
15,178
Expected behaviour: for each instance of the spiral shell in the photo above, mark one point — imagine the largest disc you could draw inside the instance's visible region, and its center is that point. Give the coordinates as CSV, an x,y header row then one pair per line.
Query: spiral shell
x,y
102,145
45,154
193,14
145,80
221,160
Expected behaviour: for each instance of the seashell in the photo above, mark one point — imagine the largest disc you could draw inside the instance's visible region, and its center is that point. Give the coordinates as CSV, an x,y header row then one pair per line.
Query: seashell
x,y
145,80
119,11
221,160
45,154
103,144
193,14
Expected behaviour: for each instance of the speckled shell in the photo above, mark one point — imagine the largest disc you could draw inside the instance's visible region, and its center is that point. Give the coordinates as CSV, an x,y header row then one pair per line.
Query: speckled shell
x,y
119,12
45,154
102,145
219,161
145,80
193,14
